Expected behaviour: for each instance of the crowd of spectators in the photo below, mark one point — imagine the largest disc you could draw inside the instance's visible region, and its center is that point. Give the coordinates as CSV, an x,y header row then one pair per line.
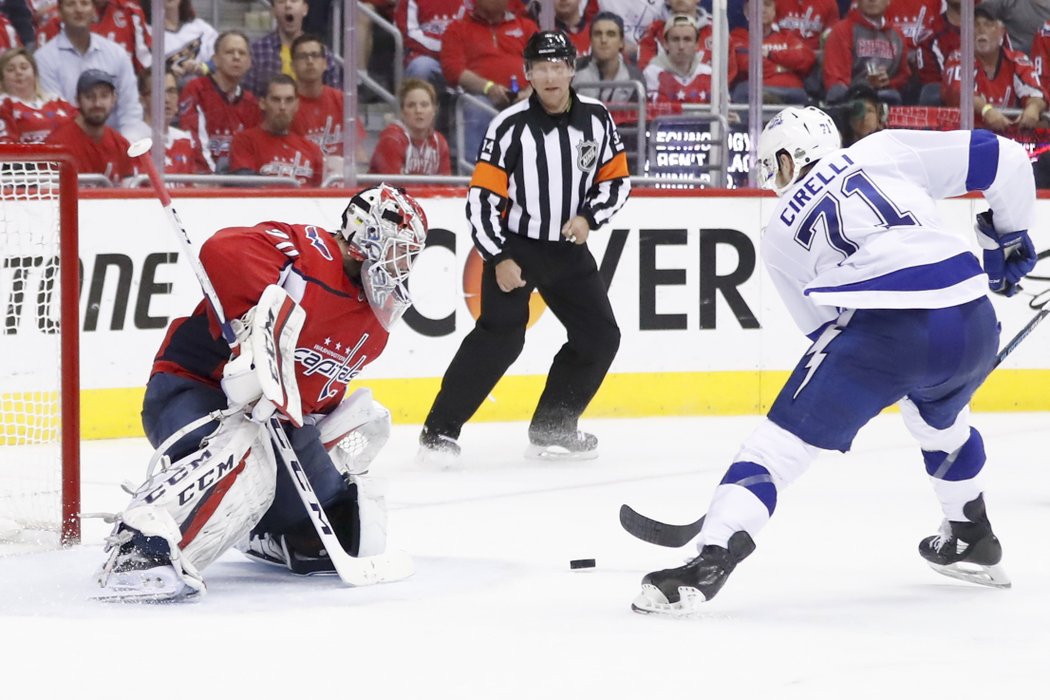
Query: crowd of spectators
x,y
223,103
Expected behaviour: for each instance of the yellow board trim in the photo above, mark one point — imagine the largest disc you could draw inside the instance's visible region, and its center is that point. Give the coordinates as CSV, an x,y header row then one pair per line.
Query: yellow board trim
x,y
113,413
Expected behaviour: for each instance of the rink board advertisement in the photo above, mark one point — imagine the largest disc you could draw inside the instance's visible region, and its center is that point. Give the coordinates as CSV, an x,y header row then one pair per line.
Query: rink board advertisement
x,y
703,330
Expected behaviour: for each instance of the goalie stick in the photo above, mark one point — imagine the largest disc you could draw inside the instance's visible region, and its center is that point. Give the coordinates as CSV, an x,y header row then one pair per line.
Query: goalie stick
x,y
667,535
354,571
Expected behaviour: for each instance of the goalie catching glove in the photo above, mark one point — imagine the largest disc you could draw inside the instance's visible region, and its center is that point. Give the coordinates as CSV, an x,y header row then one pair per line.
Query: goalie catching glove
x,y
264,367
1008,257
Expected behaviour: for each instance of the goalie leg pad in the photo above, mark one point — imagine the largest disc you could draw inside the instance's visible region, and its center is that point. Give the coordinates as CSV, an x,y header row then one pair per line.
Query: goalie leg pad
x,y
215,495
355,432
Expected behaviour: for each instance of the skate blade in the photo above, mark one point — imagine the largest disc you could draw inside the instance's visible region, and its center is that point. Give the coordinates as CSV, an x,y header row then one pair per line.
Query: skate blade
x,y
991,576
652,601
158,585
553,453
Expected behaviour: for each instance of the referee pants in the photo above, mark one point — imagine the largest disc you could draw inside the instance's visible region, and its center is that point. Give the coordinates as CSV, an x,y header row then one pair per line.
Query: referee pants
x,y
567,278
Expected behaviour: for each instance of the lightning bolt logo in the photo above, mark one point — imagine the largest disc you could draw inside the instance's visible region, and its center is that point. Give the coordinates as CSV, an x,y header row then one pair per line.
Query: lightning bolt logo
x,y
817,354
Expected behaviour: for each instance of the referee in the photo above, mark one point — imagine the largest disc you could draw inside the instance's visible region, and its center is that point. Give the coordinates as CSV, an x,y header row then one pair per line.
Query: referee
x,y
551,170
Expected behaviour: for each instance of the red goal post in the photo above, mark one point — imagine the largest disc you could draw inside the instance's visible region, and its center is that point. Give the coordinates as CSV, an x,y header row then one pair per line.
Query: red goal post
x,y
39,344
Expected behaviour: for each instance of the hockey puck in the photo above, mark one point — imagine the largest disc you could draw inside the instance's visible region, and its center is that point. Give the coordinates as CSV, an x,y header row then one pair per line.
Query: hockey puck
x,y
582,564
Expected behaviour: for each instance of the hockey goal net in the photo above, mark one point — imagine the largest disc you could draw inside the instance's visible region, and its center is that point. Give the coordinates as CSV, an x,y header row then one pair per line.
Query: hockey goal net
x,y
39,376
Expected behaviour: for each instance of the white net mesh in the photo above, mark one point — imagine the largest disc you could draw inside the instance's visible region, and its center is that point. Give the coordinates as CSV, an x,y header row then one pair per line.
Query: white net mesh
x,y
30,376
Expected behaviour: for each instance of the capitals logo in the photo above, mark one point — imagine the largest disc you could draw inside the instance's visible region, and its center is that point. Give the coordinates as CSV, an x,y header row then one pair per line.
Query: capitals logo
x,y
321,360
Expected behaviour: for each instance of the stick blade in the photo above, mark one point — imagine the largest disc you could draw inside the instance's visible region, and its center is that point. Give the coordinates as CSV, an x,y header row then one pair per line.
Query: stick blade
x,y
656,532
394,565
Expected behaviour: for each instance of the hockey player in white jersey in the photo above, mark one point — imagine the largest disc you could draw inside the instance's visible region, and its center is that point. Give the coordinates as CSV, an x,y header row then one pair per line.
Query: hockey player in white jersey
x,y
896,306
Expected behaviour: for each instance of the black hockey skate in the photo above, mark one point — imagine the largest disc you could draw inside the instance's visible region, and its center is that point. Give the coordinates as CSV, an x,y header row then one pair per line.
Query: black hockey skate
x,y
436,449
681,591
275,549
968,550
561,446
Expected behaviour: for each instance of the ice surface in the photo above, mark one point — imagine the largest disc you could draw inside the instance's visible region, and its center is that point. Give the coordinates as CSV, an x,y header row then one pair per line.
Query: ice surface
x,y
834,603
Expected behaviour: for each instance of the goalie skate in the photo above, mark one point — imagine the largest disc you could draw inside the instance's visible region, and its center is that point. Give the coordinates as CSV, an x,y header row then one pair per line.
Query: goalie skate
x,y
274,550
145,568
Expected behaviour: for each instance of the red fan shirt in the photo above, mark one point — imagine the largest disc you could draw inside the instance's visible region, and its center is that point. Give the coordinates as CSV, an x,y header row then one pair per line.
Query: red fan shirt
x,y
914,18
8,36
809,19
423,24
120,21
663,85
320,119
940,45
108,156
1014,82
1041,57
493,51
397,154
855,44
289,155
182,154
340,335
32,122
786,58
213,117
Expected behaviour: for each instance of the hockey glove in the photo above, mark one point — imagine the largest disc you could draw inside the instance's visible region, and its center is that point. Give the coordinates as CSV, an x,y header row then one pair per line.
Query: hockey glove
x,y
1008,257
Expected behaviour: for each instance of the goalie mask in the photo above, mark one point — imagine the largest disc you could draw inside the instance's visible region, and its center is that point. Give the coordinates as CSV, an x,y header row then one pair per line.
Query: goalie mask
x,y
385,229
804,135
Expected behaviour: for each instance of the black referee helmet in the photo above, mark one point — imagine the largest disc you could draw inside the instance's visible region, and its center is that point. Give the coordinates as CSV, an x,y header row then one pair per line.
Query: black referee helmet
x,y
549,45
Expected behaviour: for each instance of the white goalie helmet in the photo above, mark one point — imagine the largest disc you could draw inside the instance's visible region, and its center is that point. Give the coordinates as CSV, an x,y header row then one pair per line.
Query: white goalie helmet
x,y
385,229
805,134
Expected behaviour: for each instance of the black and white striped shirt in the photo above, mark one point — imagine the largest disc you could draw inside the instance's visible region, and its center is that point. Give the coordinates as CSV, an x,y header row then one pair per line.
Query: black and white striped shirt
x,y
537,171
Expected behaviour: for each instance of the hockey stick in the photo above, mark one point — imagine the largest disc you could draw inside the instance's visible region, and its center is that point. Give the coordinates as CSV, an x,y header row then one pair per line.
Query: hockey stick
x,y
1042,312
354,571
667,535
656,532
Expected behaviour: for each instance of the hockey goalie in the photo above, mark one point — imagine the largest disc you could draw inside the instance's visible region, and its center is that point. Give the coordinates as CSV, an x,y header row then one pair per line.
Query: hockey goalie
x,y
308,309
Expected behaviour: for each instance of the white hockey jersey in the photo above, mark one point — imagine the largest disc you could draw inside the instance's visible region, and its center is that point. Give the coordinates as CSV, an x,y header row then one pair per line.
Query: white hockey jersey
x,y
861,229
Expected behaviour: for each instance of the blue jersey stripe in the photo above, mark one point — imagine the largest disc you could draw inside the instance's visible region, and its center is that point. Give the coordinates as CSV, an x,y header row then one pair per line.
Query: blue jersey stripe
x,y
984,160
921,278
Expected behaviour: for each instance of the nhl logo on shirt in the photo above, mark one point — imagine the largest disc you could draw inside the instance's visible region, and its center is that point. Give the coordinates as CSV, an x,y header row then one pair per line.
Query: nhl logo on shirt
x,y
587,155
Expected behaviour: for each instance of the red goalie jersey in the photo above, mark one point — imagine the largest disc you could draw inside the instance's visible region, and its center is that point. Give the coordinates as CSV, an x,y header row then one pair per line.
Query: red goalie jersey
x,y
340,336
